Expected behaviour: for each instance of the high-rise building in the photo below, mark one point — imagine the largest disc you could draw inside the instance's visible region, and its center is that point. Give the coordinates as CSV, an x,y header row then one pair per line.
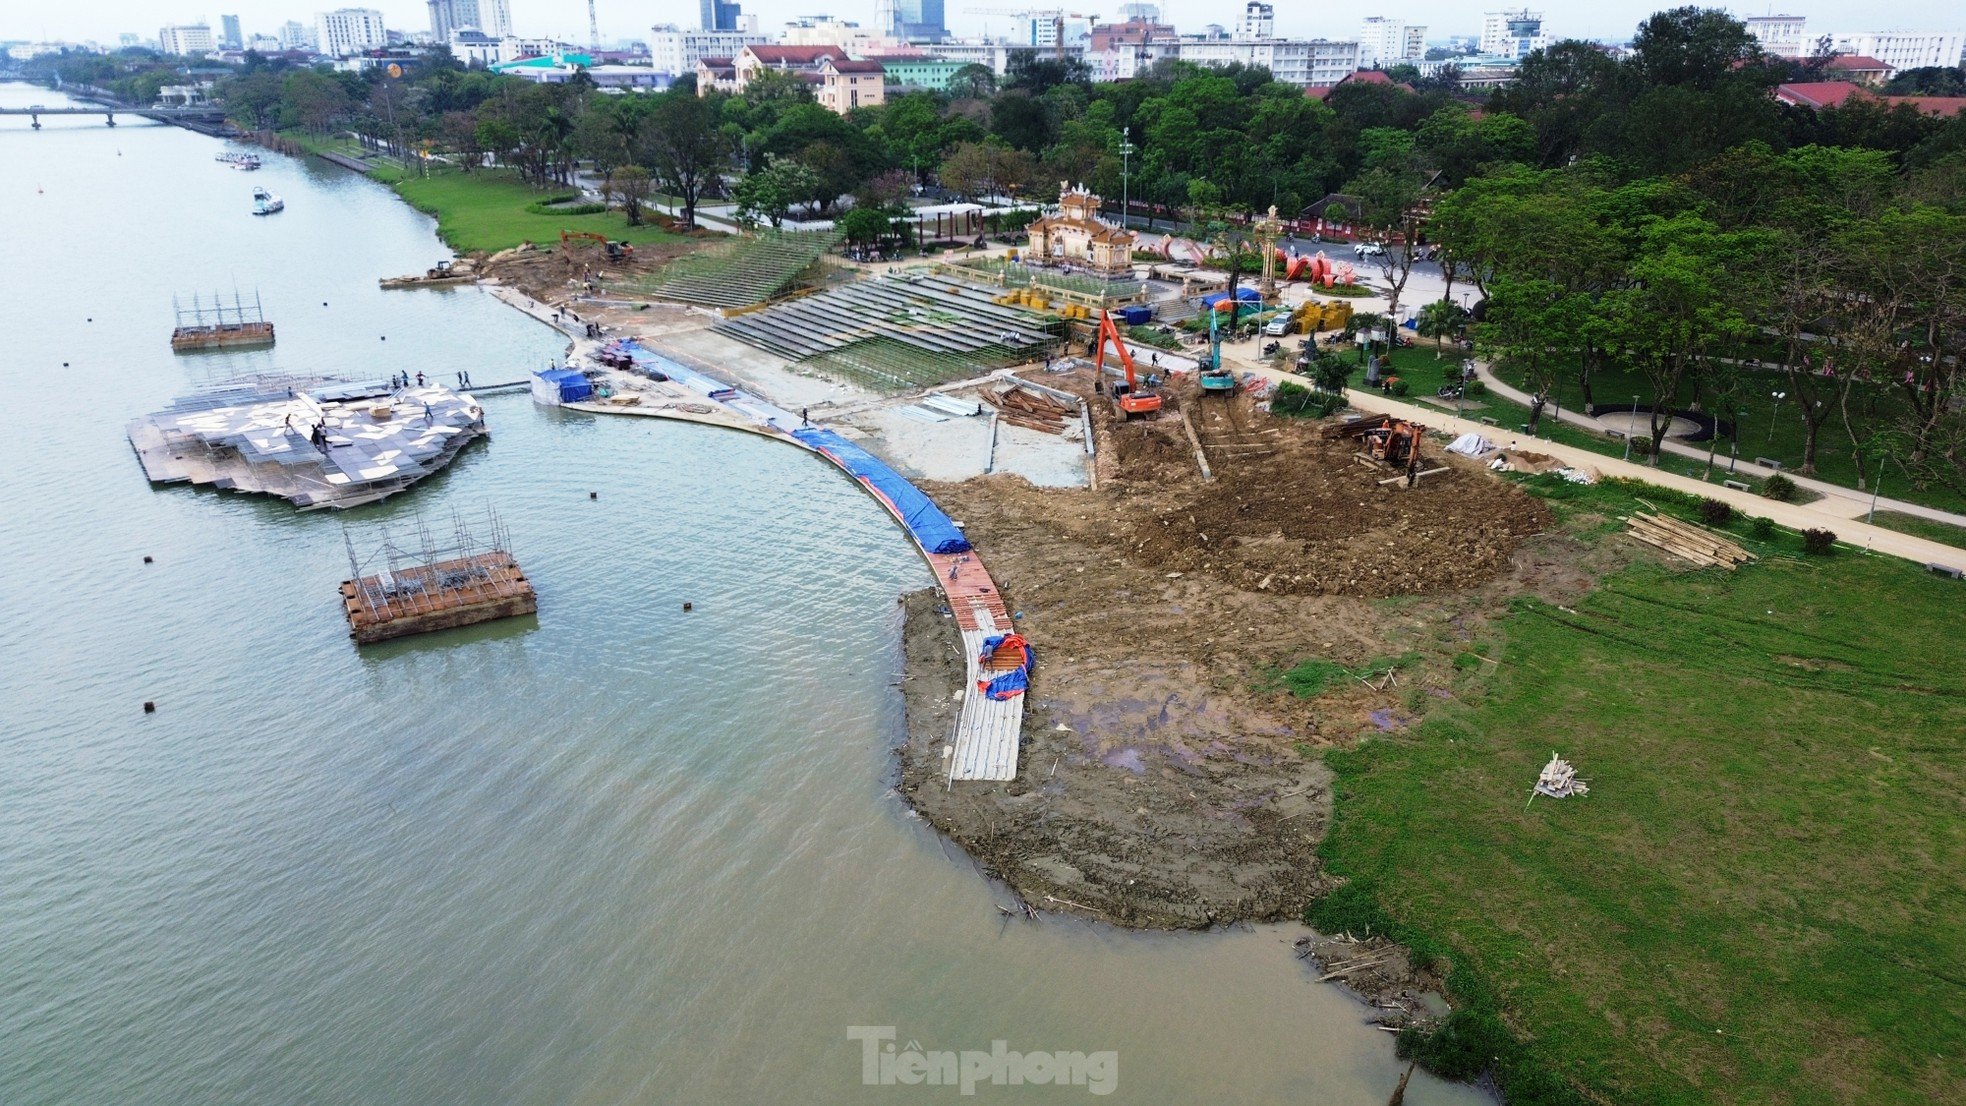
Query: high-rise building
x,y
1512,34
1258,22
229,32
1305,63
1384,40
186,40
720,15
675,50
491,17
295,36
919,20
1048,29
1903,50
346,31
1780,35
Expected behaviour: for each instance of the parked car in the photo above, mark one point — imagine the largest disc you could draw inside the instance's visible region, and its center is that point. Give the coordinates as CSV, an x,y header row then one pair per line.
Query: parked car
x,y
1368,249
1279,326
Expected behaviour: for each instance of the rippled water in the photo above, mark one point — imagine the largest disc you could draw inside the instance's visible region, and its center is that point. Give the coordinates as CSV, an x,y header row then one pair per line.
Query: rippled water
x,y
614,854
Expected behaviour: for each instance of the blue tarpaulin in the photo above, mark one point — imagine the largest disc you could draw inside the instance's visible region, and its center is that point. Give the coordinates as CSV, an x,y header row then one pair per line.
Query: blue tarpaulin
x,y
1245,294
1135,315
563,385
934,530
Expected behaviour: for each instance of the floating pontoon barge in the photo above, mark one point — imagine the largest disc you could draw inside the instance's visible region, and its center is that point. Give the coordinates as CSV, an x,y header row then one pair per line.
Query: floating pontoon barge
x,y
434,587
220,324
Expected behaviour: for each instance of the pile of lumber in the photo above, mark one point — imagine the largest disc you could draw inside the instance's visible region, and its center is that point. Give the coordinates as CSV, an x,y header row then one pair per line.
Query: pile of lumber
x,y
1032,409
1683,539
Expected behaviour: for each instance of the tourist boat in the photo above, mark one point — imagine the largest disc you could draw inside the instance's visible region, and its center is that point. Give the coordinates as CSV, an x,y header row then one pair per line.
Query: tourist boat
x,y
239,160
266,203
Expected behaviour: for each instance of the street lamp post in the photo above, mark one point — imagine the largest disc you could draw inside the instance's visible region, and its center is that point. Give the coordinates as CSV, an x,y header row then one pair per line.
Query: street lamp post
x,y
1126,177
1734,443
1631,427
1776,410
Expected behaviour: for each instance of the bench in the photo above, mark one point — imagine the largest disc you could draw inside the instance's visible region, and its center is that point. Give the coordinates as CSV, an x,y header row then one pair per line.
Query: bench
x,y
1945,570
1737,485
1769,463
1490,421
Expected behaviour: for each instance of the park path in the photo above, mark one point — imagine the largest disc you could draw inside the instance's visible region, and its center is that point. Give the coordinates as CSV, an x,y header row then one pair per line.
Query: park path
x,y
1795,516
1842,502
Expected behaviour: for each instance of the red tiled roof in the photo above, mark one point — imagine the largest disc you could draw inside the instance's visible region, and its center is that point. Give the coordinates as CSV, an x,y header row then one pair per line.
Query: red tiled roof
x,y
1816,94
795,55
1856,61
856,66
1933,105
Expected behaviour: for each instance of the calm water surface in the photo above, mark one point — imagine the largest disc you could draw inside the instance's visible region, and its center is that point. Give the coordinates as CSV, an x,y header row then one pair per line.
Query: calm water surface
x,y
616,854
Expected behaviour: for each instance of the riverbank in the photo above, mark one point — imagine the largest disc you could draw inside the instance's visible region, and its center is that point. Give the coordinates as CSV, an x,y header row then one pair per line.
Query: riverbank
x,y
1210,652
485,210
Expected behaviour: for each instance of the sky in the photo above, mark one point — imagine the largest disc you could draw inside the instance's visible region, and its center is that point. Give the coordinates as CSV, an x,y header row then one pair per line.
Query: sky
x,y
103,20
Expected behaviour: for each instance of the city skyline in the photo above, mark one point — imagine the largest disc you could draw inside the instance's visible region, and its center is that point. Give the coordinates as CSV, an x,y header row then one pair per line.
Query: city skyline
x,y
104,20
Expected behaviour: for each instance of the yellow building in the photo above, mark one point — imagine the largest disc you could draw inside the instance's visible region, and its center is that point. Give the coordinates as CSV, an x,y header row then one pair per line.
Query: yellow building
x,y
845,85
1077,238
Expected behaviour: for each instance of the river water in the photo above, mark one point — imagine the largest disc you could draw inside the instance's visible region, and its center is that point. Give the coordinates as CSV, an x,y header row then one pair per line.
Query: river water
x,y
617,854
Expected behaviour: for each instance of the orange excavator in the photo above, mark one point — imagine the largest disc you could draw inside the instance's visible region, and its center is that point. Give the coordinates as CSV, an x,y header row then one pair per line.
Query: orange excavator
x,y
617,251
1129,399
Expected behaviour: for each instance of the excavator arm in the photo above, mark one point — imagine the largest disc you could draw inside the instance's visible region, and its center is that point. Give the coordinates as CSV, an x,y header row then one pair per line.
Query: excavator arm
x,y
1134,400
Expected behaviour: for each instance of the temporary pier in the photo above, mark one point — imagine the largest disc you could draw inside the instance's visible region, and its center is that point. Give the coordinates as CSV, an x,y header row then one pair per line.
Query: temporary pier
x,y
988,728
310,442
434,587
220,324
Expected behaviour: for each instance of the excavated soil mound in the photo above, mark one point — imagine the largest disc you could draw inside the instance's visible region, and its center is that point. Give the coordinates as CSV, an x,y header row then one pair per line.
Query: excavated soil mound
x,y
1311,520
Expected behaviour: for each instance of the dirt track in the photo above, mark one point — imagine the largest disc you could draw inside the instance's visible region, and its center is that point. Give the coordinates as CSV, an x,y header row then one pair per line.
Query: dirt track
x,y
1167,779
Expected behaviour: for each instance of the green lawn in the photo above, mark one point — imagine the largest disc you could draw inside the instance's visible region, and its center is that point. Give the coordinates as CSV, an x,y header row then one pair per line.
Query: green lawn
x,y
1944,532
485,211
1766,431
1761,899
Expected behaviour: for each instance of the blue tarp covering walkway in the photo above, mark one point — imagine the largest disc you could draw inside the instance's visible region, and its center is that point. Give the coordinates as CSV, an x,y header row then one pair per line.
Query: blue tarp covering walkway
x,y
934,530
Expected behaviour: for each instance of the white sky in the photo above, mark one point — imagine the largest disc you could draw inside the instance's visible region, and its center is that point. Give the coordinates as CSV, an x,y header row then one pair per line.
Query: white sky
x,y
567,19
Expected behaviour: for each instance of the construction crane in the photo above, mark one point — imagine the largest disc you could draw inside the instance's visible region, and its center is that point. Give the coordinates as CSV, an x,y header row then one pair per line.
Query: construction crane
x,y
1058,18
1129,398
593,29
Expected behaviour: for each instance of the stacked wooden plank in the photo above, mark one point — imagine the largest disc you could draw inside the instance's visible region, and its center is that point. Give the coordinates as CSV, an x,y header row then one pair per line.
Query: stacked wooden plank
x,y
1032,409
1683,539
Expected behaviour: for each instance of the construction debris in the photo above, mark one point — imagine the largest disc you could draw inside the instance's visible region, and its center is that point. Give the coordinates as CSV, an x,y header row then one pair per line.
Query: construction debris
x,y
1559,780
1683,539
1022,405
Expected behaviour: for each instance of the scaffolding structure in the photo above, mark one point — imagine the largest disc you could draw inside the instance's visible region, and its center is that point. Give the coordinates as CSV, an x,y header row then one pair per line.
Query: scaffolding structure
x,y
220,323
216,315
436,572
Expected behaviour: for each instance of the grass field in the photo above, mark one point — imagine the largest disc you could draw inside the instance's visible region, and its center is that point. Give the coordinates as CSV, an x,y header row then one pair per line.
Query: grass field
x,y
1944,532
1761,900
1766,431
485,211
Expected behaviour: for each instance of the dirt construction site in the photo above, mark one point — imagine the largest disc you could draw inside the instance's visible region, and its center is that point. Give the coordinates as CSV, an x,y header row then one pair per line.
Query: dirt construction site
x,y
1170,776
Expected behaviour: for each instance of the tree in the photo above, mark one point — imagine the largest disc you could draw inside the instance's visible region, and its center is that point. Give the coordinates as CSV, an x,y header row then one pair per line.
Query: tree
x,y
770,193
630,185
685,146
973,82
1685,298
1535,327
1389,204
865,226
977,169
1441,320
